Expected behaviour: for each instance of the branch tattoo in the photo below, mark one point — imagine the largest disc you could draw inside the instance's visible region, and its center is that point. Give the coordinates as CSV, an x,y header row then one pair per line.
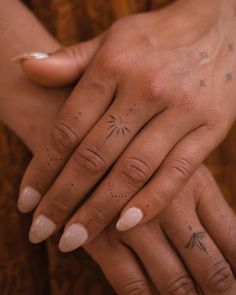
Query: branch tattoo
x,y
197,240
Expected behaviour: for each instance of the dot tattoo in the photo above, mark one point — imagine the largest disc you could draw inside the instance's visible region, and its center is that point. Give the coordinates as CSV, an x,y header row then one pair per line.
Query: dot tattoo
x,y
197,240
116,127
114,194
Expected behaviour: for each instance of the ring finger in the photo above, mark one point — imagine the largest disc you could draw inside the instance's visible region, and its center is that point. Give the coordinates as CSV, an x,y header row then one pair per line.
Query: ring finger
x,y
200,254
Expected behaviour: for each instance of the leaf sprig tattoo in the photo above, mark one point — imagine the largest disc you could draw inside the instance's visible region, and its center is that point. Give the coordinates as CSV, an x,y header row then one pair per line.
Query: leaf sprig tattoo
x,y
197,240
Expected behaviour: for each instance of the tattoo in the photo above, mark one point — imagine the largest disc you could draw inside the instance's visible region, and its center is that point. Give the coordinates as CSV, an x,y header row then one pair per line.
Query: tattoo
x,y
231,47
196,240
228,77
114,194
116,127
202,83
204,55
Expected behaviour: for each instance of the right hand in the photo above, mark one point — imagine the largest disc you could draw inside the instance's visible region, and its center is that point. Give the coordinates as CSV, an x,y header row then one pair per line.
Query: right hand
x,y
192,243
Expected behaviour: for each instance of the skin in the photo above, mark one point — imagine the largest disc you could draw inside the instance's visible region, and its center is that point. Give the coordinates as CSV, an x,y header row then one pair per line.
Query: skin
x,y
161,266
157,100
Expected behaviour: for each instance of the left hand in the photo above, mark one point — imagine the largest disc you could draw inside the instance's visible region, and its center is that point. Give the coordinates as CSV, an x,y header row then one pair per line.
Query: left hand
x,y
158,94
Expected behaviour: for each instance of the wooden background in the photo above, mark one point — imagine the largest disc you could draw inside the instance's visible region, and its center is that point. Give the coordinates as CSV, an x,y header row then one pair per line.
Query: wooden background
x,y
40,270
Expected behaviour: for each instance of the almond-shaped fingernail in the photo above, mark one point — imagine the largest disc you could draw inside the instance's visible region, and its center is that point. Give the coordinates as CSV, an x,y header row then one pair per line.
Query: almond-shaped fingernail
x,y
73,237
28,199
129,219
30,55
41,228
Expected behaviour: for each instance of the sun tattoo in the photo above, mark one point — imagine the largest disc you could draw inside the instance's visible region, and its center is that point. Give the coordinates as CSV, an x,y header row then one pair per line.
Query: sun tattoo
x,y
116,127
196,240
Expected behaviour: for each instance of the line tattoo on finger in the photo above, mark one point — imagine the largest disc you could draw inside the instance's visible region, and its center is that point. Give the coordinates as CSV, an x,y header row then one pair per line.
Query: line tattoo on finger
x,y
116,127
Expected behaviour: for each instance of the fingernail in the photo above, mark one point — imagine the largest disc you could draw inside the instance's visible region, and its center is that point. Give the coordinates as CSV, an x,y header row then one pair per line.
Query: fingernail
x,y
41,228
28,199
129,219
30,55
73,237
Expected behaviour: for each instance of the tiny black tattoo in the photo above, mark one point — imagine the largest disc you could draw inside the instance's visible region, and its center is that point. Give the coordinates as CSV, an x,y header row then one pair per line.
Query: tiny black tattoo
x,y
229,77
116,127
202,83
197,240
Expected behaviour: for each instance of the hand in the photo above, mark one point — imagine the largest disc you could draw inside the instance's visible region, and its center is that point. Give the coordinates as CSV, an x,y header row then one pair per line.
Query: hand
x,y
190,244
160,102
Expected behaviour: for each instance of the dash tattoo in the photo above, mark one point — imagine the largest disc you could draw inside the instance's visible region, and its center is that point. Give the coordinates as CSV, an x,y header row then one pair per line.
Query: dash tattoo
x,y
116,127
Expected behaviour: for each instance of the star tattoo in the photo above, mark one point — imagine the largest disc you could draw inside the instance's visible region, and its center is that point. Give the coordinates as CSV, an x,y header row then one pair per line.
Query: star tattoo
x,y
116,127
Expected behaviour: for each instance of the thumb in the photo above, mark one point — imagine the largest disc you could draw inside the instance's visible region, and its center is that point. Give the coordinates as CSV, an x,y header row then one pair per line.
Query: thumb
x,y
62,67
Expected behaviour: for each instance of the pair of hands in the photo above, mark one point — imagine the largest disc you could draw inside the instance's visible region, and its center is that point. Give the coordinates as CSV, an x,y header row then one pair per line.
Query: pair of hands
x,y
56,202
155,104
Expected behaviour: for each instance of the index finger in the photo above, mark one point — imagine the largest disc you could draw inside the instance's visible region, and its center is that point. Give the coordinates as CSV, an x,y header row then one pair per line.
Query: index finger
x,y
87,103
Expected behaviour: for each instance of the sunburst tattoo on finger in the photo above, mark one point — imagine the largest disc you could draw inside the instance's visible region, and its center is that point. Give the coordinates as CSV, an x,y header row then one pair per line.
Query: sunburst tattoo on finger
x,y
116,127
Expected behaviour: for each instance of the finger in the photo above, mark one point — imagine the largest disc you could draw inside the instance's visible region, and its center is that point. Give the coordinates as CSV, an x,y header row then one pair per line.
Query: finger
x,y
217,217
101,147
62,67
120,267
129,174
160,260
199,253
173,174
88,102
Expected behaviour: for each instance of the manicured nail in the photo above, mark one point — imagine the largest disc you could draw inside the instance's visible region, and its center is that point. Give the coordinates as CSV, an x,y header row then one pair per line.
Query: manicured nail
x,y
41,228
30,55
129,219
73,237
28,199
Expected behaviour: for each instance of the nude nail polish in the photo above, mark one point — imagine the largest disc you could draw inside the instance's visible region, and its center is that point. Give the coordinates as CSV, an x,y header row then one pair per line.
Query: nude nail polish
x,y
129,219
41,228
28,199
30,55
73,237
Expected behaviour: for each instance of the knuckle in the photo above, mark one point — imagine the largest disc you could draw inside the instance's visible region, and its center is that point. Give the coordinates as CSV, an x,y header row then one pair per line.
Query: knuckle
x,y
134,287
90,159
110,62
219,278
179,169
135,172
183,285
59,204
64,136
99,214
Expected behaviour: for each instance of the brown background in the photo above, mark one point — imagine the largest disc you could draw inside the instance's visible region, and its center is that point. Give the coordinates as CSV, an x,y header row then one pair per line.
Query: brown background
x,y
41,269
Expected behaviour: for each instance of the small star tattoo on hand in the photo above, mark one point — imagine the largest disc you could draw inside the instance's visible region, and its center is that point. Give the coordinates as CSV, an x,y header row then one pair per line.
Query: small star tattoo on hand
x,y
202,83
229,77
231,47
204,55
116,127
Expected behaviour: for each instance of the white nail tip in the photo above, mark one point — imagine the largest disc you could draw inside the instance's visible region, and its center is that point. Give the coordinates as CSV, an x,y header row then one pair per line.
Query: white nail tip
x,y
28,199
129,219
30,55
41,228
73,237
